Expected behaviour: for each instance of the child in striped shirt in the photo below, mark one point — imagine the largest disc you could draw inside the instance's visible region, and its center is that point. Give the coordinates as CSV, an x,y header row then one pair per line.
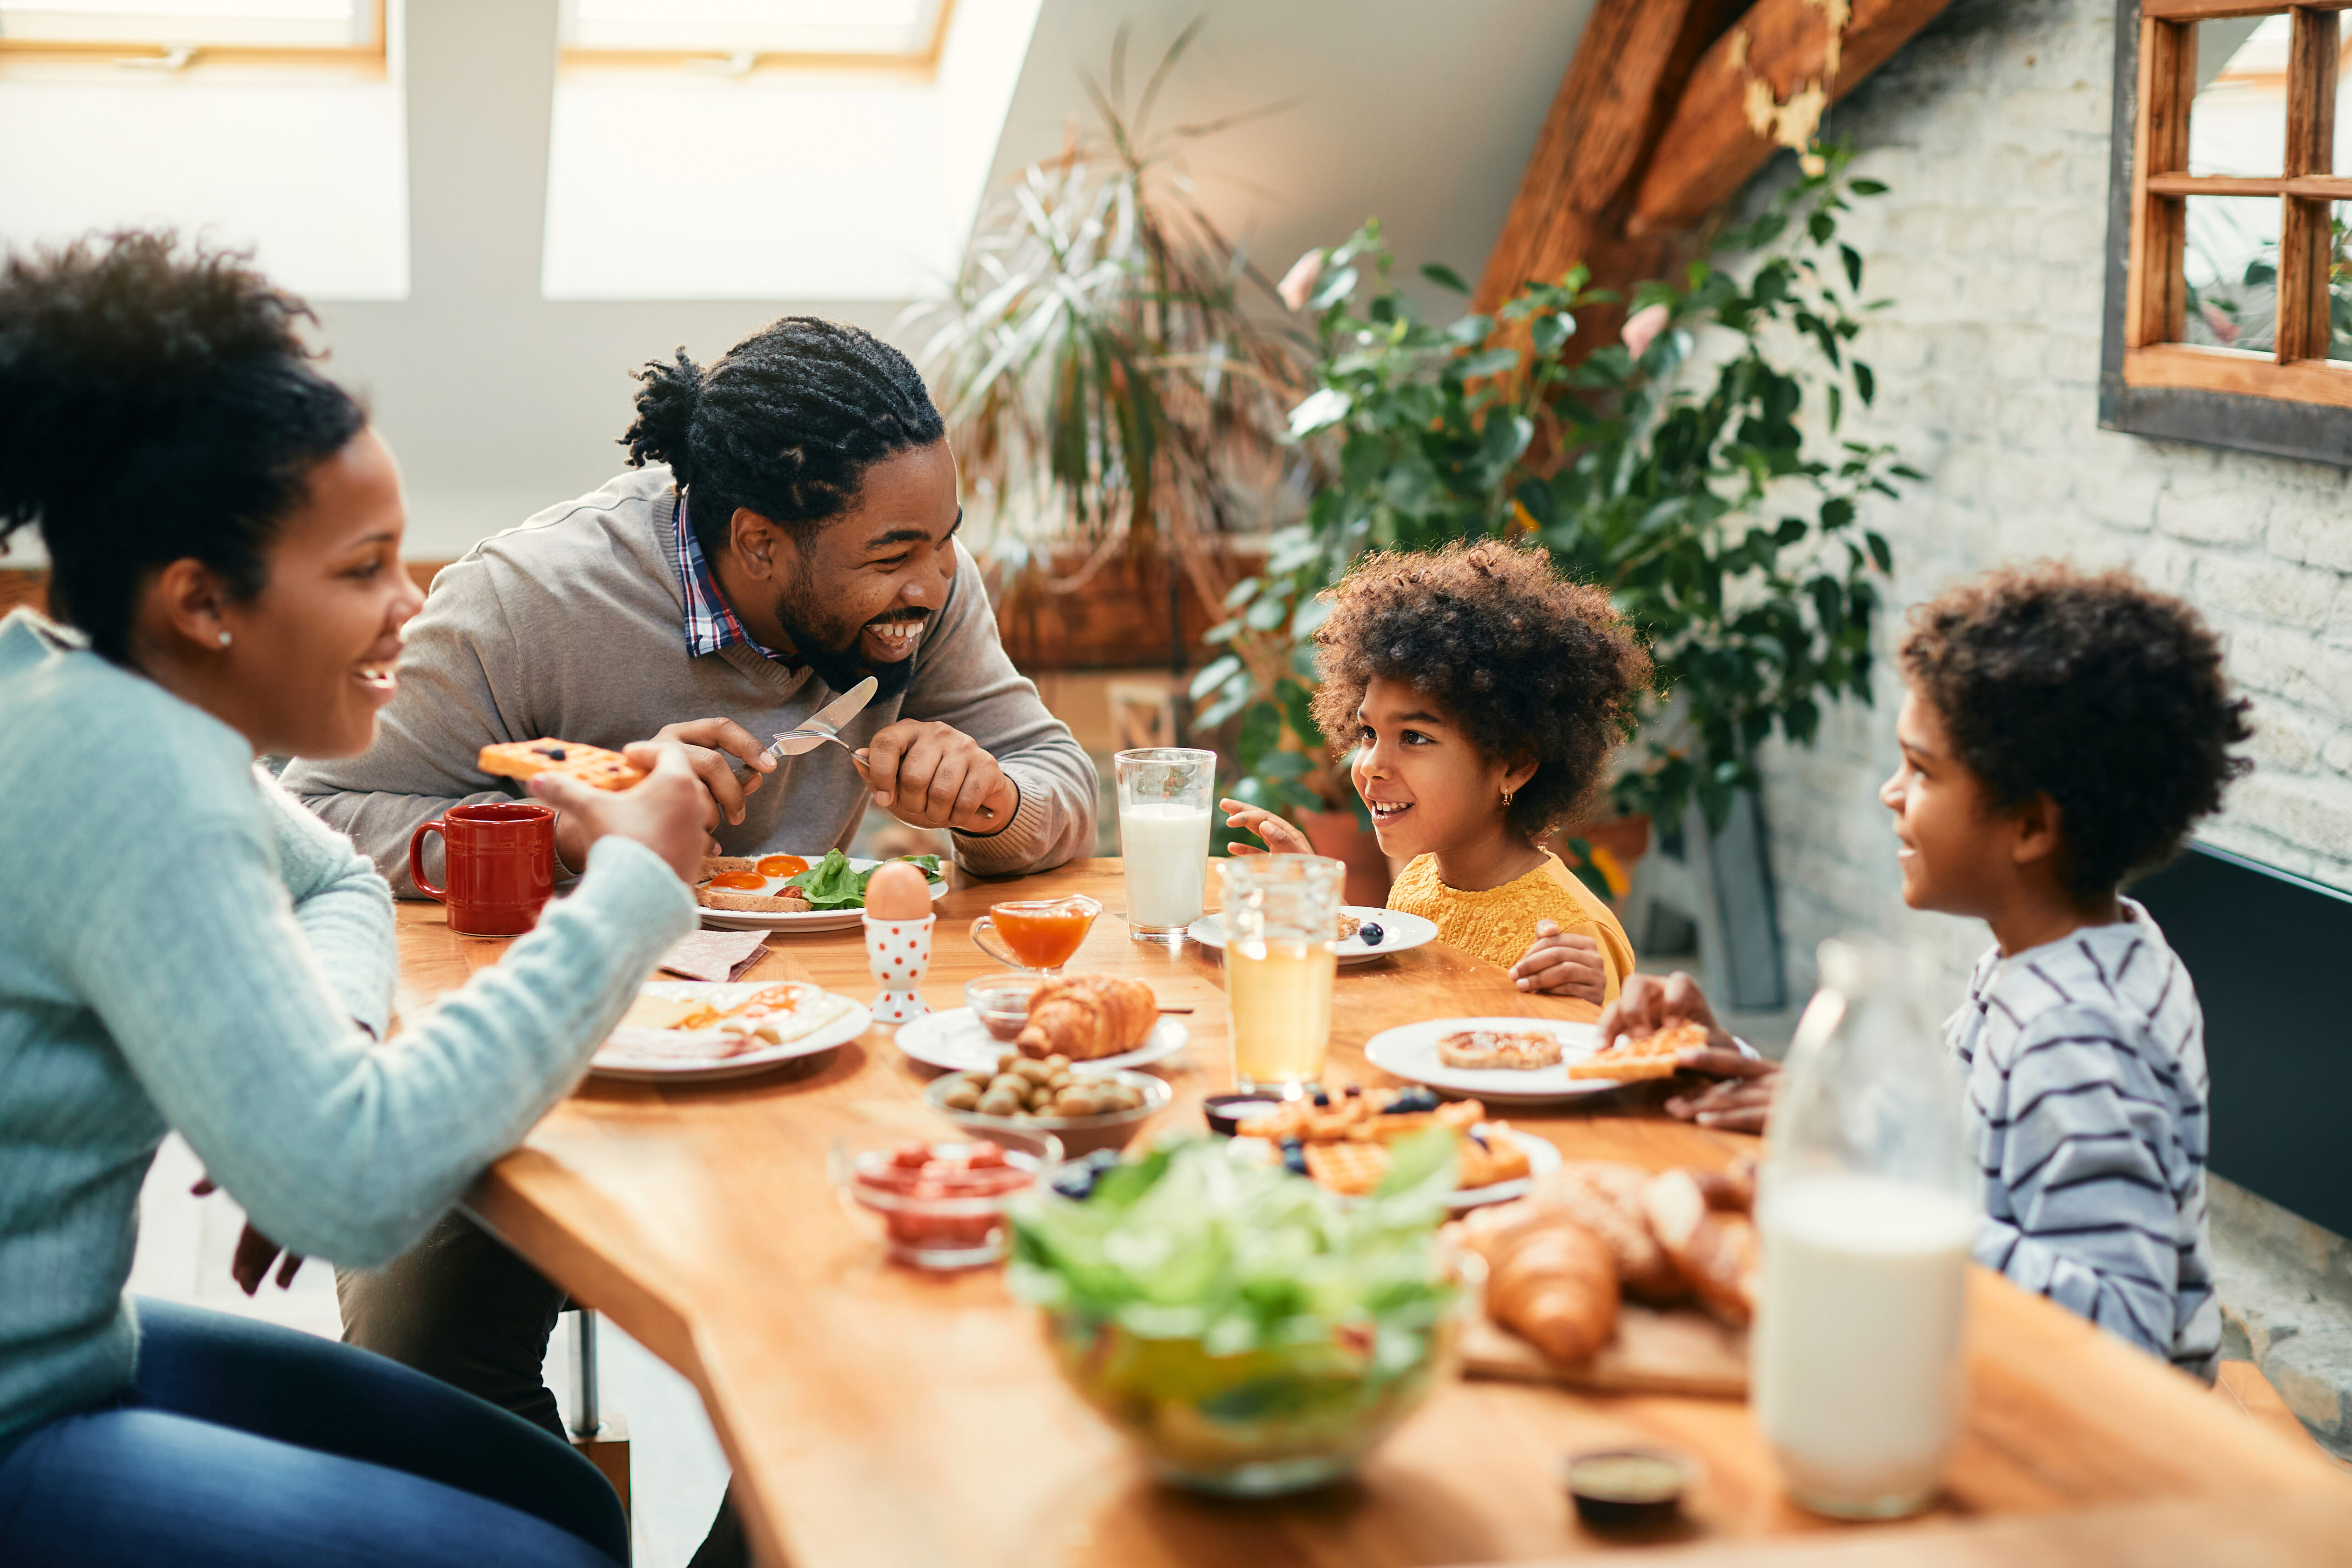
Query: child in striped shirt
x,y
2060,733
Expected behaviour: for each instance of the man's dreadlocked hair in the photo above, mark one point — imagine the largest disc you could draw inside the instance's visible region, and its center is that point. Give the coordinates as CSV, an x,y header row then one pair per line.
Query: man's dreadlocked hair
x,y
785,423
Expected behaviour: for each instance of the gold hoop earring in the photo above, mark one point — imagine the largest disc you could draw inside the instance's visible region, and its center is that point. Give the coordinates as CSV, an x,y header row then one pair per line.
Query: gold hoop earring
x,y
1507,797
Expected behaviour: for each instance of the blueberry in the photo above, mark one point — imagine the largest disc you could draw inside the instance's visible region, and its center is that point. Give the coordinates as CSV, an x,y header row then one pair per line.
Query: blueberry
x,y
1289,1144
1323,1099
1294,1159
1076,1178
1370,935
1355,1089
1410,1103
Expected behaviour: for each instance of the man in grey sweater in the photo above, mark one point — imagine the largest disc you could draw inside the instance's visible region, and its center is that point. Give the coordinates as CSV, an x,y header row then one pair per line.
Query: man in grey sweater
x,y
796,535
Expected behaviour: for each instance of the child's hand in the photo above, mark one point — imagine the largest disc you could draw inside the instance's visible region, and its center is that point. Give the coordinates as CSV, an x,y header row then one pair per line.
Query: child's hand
x,y
1648,1003
1281,839
1559,965
1740,1101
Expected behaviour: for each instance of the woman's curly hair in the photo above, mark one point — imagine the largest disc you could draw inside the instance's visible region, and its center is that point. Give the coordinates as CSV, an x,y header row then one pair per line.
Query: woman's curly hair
x,y
157,402
1527,663
2093,688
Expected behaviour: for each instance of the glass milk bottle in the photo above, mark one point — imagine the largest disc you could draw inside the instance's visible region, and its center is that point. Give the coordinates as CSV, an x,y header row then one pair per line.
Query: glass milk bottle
x,y
1867,1210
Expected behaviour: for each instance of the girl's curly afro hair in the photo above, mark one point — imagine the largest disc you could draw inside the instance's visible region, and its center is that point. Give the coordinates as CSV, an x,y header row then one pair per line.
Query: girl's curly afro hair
x,y
2096,688
1527,663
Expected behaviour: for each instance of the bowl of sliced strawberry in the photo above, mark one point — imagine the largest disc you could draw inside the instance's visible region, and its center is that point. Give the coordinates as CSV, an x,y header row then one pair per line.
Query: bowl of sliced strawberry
x,y
940,1204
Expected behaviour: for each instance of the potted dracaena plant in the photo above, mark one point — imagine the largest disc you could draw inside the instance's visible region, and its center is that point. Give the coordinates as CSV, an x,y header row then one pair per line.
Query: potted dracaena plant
x,y
1685,485
1111,400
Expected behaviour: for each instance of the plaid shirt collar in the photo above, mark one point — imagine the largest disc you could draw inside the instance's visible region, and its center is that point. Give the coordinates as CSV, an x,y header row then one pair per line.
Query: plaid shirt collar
x,y
711,623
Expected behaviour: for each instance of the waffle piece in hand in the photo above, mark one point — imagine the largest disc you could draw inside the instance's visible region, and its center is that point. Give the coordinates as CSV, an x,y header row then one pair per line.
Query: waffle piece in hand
x,y
1088,1016
591,765
1651,1056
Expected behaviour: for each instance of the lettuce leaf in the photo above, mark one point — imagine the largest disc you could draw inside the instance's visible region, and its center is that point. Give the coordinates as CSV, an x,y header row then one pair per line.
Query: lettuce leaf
x,y
834,884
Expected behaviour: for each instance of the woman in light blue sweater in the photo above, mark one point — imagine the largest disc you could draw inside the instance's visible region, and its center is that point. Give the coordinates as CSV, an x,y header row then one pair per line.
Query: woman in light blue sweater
x,y
183,947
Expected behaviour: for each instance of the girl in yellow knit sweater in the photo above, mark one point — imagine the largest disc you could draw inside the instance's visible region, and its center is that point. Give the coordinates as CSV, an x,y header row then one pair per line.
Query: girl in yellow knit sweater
x,y
1485,693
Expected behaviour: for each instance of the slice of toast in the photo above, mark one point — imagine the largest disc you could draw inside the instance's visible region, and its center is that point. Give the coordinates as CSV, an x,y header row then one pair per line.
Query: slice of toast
x,y
591,766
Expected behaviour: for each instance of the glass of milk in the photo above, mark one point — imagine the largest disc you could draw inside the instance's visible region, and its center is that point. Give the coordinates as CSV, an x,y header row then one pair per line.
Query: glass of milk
x,y
1164,795
1866,1209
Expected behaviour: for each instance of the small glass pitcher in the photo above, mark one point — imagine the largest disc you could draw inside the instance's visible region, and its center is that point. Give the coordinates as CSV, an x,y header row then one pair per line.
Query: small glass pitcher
x,y
1036,936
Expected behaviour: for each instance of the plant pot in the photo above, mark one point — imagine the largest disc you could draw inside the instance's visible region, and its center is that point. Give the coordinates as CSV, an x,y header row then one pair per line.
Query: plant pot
x,y
1339,835
1624,839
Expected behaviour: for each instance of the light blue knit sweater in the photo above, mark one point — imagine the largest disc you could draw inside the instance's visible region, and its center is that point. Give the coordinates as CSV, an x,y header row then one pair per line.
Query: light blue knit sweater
x,y
183,947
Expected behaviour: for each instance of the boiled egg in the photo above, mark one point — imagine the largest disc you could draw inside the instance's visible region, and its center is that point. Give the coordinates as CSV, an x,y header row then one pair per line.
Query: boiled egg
x,y
897,891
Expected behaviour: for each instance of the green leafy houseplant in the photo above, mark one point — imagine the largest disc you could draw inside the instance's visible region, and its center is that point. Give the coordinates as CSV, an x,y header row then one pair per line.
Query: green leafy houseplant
x,y
1638,466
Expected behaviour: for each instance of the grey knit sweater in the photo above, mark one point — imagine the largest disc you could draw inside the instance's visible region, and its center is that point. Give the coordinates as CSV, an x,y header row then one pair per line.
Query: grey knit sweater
x,y
183,947
573,626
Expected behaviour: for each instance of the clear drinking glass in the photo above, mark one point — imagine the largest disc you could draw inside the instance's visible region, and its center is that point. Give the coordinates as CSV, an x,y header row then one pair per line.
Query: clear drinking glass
x,y
1867,1210
1281,912
1164,795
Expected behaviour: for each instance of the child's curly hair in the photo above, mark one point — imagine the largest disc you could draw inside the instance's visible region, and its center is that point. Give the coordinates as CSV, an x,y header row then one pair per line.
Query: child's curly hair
x,y
1528,663
2094,687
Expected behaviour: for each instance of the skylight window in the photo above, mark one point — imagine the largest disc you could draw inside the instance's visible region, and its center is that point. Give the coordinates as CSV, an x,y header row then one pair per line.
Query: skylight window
x,y
756,31
197,24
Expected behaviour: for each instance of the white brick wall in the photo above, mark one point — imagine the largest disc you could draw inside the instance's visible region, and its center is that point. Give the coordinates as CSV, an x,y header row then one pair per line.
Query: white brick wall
x,y
1991,129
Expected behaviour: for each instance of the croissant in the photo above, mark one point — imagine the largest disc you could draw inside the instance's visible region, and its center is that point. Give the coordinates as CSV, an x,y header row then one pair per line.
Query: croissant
x,y
1713,1243
1547,1281
1087,1017
1605,1197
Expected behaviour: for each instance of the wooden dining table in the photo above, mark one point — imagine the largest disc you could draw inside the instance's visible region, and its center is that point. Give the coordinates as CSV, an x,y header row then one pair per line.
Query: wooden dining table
x,y
876,1416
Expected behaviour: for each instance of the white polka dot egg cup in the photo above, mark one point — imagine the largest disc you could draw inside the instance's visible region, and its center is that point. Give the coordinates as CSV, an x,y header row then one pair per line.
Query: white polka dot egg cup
x,y
898,953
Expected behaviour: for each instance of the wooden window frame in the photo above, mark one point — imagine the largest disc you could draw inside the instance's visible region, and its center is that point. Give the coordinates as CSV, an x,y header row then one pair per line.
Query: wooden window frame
x,y
2294,402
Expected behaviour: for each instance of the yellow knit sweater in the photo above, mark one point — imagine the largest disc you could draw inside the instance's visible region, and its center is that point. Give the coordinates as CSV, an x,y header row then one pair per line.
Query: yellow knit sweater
x,y
1499,924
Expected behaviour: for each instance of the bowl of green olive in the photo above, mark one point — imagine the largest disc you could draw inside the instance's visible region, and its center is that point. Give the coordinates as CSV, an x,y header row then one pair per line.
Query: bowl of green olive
x,y
1023,1094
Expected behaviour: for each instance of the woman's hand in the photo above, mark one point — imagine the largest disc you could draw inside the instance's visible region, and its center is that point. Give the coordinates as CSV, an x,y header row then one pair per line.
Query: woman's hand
x,y
1562,965
664,811
1281,839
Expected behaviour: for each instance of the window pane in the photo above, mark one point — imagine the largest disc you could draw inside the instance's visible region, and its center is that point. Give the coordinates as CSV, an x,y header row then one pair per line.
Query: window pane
x,y
294,23
2231,269
2237,125
2339,283
756,26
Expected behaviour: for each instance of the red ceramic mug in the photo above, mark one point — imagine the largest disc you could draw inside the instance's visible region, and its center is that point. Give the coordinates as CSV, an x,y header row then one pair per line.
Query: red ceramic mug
x,y
500,864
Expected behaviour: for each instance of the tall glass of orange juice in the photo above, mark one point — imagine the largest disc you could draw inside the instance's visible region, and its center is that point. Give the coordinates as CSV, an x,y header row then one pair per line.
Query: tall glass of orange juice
x,y
1282,917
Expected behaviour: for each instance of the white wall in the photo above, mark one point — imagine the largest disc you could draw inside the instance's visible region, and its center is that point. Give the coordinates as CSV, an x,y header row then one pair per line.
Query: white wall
x,y
1992,130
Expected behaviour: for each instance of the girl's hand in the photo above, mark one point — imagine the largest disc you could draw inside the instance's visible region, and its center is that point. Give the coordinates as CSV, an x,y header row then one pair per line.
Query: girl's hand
x,y
1281,839
1561,965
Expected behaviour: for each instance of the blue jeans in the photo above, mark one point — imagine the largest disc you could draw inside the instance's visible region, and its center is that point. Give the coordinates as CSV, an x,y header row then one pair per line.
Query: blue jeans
x,y
242,1445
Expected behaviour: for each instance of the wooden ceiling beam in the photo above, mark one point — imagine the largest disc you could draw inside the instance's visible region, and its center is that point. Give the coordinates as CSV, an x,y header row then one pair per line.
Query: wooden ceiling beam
x,y
1611,107
1713,142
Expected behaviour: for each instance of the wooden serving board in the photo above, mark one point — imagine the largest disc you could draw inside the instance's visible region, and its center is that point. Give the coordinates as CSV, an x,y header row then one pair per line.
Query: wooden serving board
x,y
1683,1352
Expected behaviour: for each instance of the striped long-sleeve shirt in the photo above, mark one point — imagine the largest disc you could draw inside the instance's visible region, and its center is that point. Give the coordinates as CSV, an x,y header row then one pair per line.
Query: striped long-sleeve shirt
x,y
2086,1091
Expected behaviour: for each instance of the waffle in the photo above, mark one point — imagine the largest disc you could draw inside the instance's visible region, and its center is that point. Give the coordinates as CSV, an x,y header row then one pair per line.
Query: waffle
x,y
1352,1169
591,766
1494,1155
1653,1055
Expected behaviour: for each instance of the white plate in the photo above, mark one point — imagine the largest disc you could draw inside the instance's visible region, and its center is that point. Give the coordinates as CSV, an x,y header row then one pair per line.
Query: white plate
x,y
806,919
835,1031
1400,933
958,1041
1411,1052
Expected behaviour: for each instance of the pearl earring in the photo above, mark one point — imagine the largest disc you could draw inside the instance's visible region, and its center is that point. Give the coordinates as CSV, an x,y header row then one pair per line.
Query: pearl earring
x,y
224,642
